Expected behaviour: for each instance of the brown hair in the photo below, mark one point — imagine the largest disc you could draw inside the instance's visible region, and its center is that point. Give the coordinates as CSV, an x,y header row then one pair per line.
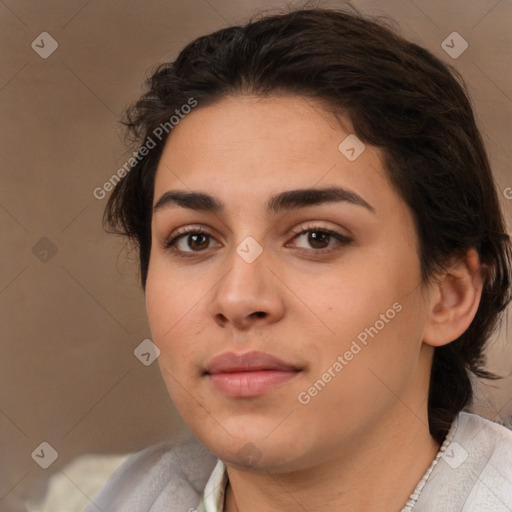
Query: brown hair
x,y
400,98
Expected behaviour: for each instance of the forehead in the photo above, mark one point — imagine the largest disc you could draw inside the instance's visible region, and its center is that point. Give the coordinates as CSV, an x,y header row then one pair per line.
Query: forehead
x,y
247,148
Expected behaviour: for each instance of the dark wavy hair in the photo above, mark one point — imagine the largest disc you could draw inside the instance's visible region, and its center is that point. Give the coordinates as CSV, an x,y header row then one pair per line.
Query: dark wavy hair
x,y
399,98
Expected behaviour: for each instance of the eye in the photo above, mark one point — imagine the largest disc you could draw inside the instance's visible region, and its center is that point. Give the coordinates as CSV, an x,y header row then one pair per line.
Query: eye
x,y
320,238
193,238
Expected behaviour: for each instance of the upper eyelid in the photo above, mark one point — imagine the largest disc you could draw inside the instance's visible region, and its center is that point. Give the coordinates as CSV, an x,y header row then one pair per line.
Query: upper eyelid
x,y
309,226
312,225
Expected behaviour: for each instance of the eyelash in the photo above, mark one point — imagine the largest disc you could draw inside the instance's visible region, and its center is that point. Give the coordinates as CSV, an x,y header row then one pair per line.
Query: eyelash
x,y
341,240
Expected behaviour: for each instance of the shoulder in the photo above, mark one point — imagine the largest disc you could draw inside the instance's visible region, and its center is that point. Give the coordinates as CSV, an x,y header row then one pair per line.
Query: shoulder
x,y
491,445
488,440
474,473
164,477
469,420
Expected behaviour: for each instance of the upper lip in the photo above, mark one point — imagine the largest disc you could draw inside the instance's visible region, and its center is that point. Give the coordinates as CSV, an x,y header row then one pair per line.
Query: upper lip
x,y
228,362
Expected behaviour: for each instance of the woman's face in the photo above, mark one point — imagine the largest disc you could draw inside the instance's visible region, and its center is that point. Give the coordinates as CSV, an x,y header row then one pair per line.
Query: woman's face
x,y
327,284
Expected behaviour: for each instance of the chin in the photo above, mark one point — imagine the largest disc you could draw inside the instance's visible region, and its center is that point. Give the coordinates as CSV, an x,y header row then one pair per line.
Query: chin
x,y
253,452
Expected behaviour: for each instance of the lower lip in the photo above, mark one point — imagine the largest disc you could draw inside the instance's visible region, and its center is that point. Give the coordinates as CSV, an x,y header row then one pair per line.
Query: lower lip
x,y
247,384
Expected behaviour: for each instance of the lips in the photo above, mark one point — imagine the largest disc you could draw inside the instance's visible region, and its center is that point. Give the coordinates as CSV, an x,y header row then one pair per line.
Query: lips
x,y
230,362
249,374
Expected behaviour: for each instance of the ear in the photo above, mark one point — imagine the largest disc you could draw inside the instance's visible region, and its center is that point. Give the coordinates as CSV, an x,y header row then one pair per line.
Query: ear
x,y
455,297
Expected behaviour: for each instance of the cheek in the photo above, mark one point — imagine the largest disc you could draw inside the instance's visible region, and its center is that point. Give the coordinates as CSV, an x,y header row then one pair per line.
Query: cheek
x,y
171,311
352,297
171,306
373,301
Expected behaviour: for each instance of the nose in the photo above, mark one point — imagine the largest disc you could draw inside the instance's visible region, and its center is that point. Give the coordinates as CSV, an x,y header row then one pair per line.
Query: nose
x,y
247,294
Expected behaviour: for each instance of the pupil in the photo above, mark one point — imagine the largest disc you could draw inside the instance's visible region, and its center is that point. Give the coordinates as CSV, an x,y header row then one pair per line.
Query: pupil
x,y
195,237
316,237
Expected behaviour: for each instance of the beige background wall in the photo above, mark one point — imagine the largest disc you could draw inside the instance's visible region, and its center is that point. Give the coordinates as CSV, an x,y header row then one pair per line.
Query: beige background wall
x,y
70,306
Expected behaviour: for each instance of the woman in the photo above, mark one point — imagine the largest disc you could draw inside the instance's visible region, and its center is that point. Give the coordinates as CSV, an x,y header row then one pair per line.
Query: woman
x,y
323,258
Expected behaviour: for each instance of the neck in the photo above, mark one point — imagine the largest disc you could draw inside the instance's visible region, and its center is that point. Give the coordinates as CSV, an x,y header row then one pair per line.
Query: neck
x,y
377,471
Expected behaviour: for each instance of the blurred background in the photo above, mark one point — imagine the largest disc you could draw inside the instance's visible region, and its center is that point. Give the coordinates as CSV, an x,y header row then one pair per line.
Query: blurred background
x,y
73,395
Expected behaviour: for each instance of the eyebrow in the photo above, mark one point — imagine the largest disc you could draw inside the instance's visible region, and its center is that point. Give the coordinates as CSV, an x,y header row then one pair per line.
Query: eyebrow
x,y
288,200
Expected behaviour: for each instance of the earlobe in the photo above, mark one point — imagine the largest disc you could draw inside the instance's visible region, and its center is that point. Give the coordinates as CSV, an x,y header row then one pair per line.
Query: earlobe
x,y
455,298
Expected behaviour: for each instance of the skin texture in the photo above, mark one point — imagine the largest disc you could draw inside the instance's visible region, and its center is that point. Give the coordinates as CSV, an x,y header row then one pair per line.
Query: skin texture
x,y
362,443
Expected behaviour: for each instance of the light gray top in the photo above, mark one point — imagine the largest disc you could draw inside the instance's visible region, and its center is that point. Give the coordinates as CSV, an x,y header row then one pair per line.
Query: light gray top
x,y
472,472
